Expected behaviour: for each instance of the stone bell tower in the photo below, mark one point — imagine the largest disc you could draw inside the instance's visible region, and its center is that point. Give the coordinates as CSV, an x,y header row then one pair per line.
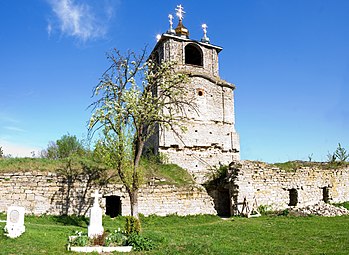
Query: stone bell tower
x,y
211,138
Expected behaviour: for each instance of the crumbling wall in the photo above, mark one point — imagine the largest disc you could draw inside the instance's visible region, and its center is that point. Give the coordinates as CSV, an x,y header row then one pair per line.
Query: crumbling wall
x,y
168,199
277,188
49,193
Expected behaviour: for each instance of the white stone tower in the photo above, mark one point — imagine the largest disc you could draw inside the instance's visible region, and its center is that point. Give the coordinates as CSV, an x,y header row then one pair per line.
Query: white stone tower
x,y
211,138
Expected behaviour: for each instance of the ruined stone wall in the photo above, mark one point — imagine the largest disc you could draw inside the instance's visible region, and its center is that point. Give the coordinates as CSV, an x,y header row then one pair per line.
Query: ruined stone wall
x,y
168,199
48,193
273,187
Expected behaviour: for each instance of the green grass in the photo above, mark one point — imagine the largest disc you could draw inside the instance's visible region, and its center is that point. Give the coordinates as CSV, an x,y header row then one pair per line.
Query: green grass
x,y
198,235
29,164
344,204
164,173
297,164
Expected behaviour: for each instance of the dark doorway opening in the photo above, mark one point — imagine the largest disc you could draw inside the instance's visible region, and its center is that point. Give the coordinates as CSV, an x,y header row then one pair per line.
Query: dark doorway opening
x,y
293,194
113,206
326,194
221,199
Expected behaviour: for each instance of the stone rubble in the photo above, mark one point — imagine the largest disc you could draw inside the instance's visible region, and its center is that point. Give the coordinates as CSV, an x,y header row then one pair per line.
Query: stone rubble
x,y
321,209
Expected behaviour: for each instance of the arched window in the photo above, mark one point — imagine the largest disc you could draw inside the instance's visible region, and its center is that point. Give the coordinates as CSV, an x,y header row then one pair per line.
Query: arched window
x,y
193,55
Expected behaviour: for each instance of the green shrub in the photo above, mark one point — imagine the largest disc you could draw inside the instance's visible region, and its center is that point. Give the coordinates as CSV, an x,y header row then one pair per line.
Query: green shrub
x,y
338,157
217,175
285,212
133,225
344,204
139,242
80,240
116,238
264,209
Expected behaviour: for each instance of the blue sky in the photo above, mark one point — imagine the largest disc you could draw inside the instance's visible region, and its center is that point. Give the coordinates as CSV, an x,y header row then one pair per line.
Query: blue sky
x,y
288,59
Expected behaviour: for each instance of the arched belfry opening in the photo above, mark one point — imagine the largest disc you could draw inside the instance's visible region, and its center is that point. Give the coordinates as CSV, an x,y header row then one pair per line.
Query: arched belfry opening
x,y
193,55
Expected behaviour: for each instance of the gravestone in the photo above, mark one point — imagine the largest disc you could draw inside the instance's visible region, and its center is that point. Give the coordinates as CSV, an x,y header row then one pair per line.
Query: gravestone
x,y
15,221
95,227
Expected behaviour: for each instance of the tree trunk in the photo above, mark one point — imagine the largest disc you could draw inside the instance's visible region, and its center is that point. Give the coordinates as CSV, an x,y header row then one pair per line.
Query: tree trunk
x,y
134,202
139,151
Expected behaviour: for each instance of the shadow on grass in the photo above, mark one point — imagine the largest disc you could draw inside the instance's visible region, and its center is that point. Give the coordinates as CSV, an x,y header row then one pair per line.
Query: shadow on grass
x,y
71,220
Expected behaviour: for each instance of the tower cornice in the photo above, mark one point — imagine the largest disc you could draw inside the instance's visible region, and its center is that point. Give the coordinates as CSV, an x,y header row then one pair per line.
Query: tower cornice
x,y
214,79
166,36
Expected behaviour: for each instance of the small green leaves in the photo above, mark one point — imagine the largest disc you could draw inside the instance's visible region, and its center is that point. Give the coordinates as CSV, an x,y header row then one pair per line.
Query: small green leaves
x,y
133,97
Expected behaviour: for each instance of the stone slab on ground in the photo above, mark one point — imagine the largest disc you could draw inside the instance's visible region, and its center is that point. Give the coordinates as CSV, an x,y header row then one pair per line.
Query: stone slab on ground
x,y
101,249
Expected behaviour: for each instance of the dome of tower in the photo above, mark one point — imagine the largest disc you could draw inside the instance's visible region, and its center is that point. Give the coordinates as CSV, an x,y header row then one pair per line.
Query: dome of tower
x,y
181,30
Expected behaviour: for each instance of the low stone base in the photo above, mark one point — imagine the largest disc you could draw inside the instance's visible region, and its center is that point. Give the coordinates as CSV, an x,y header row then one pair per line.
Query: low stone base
x,y
100,249
14,231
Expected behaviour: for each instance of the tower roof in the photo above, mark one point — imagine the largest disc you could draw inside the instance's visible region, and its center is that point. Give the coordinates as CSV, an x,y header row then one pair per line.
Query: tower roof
x,y
181,32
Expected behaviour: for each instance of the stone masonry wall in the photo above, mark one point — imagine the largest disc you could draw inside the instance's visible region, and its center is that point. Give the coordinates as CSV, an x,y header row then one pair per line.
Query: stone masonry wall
x,y
211,138
173,49
272,186
48,193
164,200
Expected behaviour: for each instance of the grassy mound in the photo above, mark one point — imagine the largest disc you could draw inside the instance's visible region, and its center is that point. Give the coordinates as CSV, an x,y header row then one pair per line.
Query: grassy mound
x,y
29,164
153,171
297,164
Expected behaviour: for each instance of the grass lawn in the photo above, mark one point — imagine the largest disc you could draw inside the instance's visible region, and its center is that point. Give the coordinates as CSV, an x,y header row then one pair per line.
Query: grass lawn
x,y
197,235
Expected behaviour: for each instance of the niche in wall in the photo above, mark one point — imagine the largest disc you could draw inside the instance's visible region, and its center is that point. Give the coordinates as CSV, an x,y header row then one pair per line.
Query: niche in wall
x,y
293,195
325,194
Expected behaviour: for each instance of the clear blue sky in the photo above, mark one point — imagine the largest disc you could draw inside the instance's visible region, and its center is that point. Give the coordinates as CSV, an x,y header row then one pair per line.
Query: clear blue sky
x,y
288,59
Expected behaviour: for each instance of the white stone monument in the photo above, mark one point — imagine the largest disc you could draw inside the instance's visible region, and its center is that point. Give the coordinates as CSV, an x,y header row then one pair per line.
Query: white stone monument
x,y
95,227
15,221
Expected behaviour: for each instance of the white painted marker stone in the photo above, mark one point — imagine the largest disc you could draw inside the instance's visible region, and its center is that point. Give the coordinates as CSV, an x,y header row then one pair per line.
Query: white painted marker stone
x,y
95,227
15,221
